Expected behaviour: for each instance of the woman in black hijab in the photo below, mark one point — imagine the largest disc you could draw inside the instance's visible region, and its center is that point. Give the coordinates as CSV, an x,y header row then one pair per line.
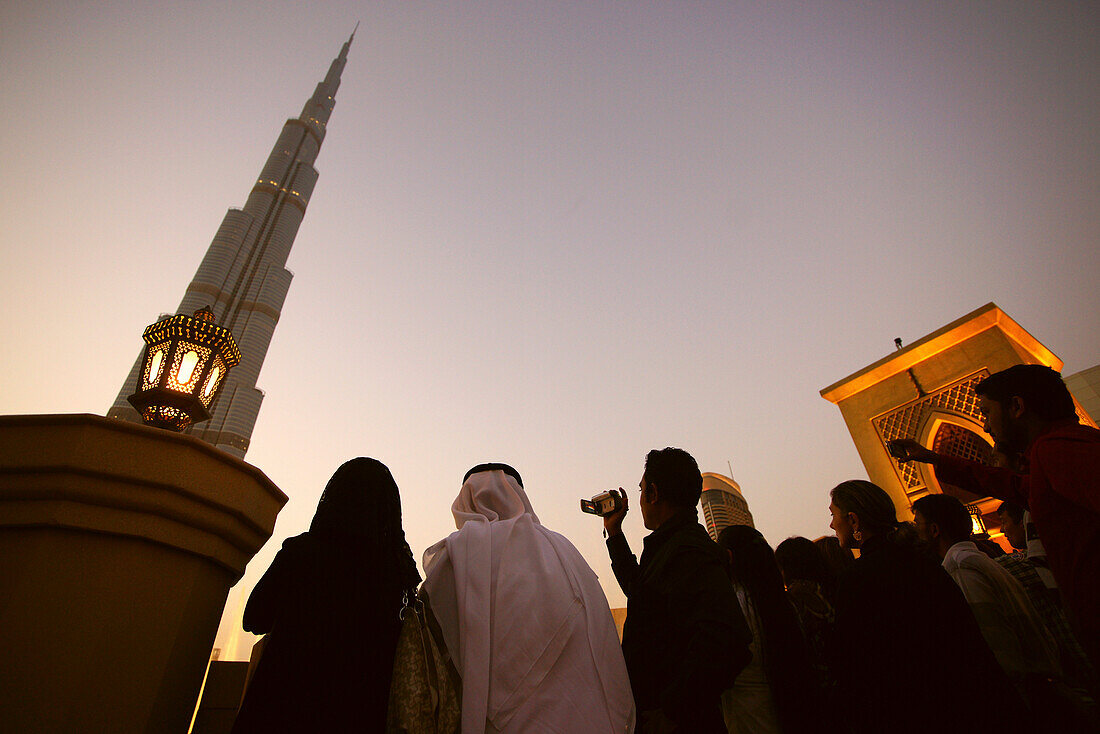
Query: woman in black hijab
x,y
329,603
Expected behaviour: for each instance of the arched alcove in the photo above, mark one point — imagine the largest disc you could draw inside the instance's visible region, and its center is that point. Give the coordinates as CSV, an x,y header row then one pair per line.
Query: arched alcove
x,y
952,434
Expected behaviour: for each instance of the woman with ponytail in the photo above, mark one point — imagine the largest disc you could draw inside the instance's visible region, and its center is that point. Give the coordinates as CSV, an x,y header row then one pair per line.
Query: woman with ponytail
x,y
907,653
329,603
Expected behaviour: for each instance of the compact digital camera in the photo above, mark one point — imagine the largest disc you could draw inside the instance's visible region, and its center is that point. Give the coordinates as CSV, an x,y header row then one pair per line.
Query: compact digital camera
x,y
602,504
897,450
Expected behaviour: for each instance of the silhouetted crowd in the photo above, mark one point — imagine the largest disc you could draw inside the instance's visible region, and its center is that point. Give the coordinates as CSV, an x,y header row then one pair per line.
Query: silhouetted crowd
x,y
889,626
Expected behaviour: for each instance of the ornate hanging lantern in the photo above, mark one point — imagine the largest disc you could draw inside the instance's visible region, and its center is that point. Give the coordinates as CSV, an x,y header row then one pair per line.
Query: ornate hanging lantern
x,y
186,361
977,524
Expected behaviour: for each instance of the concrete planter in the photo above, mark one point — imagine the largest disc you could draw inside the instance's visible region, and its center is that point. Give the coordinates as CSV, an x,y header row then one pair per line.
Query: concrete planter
x,y
118,546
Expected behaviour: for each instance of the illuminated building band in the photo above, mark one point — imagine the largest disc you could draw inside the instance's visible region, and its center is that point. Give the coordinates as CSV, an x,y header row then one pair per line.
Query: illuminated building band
x,y
243,277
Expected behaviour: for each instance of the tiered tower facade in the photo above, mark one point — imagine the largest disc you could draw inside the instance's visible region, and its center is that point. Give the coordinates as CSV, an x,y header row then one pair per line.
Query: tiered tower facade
x,y
243,278
723,504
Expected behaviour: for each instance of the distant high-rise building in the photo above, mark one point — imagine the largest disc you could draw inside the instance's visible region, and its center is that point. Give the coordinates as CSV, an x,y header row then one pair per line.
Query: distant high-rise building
x,y
243,277
723,504
1085,386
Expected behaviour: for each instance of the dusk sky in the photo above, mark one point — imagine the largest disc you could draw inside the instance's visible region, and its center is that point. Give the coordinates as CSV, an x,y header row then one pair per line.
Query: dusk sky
x,y
553,234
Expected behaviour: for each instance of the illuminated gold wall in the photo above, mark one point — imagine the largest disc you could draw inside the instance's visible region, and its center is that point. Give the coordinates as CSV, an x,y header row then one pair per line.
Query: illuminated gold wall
x,y
923,391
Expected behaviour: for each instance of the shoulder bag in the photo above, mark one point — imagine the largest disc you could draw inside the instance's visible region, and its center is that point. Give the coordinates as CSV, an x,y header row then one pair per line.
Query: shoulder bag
x,y
425,690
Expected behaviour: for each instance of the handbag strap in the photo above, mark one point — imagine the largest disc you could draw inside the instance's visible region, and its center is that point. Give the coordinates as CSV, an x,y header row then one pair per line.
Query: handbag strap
x,y
409,601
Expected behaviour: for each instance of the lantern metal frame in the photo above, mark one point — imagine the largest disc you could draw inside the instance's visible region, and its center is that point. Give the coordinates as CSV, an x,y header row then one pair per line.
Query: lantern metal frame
x,y
183,368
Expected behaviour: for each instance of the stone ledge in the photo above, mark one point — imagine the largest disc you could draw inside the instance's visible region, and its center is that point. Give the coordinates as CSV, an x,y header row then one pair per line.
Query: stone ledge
x,y
92,473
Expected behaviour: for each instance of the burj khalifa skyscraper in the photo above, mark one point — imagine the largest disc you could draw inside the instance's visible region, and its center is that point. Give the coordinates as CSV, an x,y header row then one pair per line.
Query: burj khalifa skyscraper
x,y
243,277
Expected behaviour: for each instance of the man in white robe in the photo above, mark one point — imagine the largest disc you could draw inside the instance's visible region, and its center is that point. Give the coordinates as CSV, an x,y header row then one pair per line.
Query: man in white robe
x,y
524,618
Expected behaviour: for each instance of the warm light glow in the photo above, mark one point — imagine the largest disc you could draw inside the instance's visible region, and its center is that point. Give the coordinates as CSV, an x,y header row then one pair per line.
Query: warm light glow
x,y
166,415
212,381
183,346
187,367
155,365
977,525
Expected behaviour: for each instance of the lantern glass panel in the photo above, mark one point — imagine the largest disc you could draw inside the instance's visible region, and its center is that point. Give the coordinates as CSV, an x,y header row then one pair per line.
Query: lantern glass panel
x,y
213,381
155,365
214,375
187,366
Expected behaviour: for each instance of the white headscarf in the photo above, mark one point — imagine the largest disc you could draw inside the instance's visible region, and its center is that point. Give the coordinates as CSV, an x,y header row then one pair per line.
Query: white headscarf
x,y
525,619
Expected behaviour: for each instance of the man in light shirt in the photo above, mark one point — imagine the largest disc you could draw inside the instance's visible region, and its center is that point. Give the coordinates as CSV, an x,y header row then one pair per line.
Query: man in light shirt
x,y
1008,621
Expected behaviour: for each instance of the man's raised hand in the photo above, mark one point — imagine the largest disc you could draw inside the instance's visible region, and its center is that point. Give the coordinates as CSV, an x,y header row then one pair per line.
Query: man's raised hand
x,y
613,522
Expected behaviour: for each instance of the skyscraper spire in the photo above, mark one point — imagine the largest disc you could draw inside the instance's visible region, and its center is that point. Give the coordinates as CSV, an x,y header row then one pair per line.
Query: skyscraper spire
x,y
243,277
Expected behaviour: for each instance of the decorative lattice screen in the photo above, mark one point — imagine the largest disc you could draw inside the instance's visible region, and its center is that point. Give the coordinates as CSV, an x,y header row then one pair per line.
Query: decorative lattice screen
x,y
957,441
905,422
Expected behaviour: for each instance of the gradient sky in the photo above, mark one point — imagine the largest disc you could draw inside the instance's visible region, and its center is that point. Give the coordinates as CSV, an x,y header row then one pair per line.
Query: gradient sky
x,y
553,234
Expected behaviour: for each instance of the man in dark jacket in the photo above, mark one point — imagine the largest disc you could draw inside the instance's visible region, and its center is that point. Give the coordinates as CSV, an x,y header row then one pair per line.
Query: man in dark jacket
x,y
684,639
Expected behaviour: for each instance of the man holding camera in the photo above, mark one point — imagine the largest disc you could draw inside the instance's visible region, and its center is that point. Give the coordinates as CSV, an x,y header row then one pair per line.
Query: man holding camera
x,y
684,639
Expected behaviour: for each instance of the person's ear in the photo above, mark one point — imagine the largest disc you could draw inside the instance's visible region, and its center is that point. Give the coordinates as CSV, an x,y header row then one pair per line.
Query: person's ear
x,y
933,531
1016,407
652,496
853,520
